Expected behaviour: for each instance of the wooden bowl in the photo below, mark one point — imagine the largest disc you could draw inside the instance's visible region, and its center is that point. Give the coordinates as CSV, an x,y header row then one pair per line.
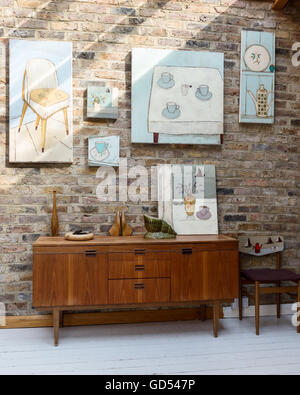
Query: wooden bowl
x,y
72,237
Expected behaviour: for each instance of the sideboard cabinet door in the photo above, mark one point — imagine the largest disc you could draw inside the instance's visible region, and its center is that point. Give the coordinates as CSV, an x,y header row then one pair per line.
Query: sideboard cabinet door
x,y
187,272
69,280
204,275
220,275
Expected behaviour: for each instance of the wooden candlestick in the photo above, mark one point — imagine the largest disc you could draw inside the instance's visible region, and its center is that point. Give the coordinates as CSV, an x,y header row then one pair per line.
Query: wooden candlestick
x,y
120,226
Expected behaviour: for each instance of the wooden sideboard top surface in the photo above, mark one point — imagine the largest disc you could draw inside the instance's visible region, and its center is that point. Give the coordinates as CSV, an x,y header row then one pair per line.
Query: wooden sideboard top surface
x,y
108,240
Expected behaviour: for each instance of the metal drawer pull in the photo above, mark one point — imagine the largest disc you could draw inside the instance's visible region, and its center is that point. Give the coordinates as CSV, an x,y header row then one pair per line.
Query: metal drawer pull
x,y
91,253
139,285
139,268
140,252
187,251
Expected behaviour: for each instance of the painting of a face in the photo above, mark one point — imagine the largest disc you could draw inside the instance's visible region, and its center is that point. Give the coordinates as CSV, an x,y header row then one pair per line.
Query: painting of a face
x,y
257,87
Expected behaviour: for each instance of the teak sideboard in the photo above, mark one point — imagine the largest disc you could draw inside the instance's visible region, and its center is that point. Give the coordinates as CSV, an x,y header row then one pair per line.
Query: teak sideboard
x,y
118,272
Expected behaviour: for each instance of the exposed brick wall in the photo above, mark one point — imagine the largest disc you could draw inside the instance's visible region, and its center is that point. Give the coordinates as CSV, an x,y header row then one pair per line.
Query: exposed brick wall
x,y
257,167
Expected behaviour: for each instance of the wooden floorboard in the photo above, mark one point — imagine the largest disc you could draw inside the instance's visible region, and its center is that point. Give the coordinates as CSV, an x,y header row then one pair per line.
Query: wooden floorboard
x,y
155,348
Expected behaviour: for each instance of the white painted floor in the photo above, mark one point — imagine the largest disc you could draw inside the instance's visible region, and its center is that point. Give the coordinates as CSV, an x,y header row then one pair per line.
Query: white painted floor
x,y
155,348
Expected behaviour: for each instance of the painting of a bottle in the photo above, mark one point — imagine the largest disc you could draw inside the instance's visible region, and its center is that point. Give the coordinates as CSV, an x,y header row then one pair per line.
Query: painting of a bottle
x,y
261,101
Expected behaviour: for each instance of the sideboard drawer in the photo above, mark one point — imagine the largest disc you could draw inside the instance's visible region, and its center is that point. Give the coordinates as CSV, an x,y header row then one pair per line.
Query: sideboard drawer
x,y
139,291
139,265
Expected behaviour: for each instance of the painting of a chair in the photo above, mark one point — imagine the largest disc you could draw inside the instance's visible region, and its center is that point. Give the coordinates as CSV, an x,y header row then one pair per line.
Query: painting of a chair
x,y
42,95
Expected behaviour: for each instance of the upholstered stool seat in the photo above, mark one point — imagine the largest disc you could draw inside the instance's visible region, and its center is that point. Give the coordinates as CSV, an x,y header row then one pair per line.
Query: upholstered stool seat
x,y
270,275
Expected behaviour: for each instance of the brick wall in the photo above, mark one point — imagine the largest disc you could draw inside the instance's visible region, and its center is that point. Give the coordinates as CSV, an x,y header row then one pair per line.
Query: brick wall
x,y
257,167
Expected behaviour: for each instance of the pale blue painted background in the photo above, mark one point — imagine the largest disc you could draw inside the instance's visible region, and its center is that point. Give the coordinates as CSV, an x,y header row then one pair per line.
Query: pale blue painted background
x,y
143,62
60,53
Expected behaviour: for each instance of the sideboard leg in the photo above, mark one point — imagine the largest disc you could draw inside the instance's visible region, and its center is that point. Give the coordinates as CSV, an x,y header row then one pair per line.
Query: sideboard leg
x,y
61,319
216,318
203,312
56,315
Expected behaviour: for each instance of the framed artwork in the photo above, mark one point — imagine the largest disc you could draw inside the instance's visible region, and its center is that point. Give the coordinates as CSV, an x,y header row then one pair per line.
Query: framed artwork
x,y
257,77
187,198
40,103
102,102
104,151
177,96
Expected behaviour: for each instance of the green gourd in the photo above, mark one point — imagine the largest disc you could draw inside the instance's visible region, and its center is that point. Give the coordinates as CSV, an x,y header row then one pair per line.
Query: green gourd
x,y
158,229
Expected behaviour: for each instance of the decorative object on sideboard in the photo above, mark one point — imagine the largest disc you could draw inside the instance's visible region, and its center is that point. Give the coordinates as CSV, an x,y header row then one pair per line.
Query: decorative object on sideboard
x,y
187,198
120,226
54,222
40,108
177,97
158,228
257,77
104,151
102,102
261,245
79,235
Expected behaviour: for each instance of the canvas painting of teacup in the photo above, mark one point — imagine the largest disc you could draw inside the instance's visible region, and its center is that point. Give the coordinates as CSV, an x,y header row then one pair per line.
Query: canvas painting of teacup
x,y
203,93
204,213
172,110
104,151
100,151
101,146
177,96
166,80
166,77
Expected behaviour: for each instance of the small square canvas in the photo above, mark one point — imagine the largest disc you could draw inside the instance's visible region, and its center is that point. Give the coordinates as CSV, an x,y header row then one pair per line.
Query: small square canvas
x,y
104,151
187,198
102,102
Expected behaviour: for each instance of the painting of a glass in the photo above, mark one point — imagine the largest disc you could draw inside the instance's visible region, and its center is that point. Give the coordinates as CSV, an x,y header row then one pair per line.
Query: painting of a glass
x,y
187,198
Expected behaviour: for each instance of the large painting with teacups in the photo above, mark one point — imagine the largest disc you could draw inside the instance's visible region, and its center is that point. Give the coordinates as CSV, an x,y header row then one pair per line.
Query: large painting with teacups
x,y
177,96
40,104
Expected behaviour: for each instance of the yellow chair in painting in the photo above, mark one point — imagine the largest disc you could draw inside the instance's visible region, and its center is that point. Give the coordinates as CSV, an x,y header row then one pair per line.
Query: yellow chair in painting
x,y
41,94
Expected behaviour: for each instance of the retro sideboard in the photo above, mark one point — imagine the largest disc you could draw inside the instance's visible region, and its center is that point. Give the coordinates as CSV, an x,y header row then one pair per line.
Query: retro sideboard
x,y
118,272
